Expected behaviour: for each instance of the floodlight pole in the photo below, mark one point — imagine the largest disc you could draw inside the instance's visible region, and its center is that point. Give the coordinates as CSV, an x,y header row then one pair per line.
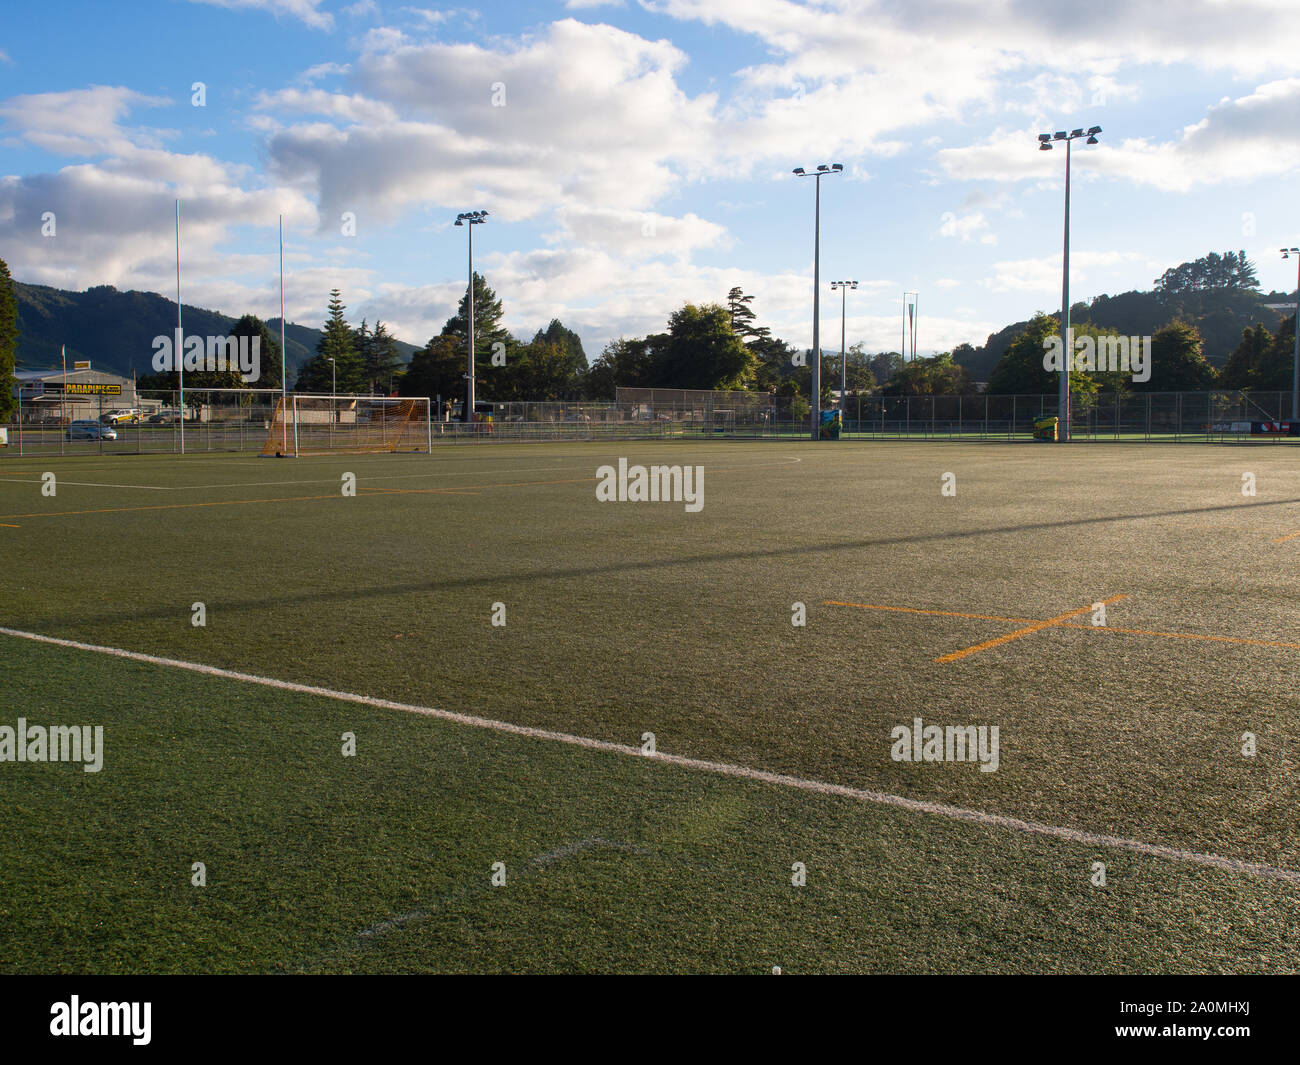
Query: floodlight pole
x,y
821,171
470,219
469,303
1045,141
1067,347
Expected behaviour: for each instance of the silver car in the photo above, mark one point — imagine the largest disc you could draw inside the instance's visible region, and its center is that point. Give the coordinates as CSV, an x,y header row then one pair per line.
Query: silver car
x,y
90,430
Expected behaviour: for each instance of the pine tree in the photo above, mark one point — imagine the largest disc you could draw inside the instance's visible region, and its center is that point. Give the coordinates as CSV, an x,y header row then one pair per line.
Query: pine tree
x,y
8,341
743,317
381,358
338,343
487,321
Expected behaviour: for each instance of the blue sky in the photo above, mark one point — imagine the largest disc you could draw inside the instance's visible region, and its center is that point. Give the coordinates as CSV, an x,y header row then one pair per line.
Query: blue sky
x,y
636,155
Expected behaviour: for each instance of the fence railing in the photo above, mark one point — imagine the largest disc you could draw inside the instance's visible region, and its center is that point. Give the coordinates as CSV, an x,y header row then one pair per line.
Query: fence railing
x,y
236,420
1111,416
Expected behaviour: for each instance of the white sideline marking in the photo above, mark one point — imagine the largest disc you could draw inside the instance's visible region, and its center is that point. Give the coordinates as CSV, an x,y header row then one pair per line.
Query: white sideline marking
x,y
958,813
94,484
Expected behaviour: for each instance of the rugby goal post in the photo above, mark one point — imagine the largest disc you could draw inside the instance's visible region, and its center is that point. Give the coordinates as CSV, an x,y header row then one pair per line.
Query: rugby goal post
x,y
323,425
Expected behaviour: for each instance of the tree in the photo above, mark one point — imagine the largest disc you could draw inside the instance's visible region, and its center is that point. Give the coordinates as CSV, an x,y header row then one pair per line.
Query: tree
x,y
773,363
702,351
556,333
743,317
1177,361
1021,371
1275,366
937,375
1247,358
8,341
487,321
380,360
1232,270
437,369
269,356
624,363
338,343
540,370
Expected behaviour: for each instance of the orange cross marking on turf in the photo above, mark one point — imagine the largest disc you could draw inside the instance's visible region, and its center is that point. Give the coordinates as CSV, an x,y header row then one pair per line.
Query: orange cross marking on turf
x,y
1028,630
1062,622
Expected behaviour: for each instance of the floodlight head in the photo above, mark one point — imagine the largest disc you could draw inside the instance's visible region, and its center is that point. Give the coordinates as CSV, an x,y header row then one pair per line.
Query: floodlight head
x,y
1044,136
799,170
1060,135
822,167
1076,133
459,221
1091,140
1094,130
837,166
1045,147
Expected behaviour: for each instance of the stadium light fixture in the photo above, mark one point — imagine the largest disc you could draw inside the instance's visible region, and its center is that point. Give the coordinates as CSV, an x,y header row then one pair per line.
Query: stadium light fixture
x,y
843,286
1295,362
822,171
1067,348
470,219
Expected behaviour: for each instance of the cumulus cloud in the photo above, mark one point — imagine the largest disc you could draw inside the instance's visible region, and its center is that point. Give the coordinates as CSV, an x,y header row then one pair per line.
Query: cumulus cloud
x,y
1237,140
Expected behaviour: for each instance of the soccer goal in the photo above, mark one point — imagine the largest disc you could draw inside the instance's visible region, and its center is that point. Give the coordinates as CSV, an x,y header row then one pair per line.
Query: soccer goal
x,y
323,425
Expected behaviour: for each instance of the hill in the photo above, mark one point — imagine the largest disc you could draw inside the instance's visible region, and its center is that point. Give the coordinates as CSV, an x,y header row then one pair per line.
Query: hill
x,y
116,329
1219,314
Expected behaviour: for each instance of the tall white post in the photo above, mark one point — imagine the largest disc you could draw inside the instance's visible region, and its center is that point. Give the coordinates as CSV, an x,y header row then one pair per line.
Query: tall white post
x,y
179,347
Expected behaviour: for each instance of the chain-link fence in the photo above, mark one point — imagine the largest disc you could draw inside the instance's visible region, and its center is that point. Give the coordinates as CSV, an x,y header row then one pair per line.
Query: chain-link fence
x,y
1111,416
240,419
216,420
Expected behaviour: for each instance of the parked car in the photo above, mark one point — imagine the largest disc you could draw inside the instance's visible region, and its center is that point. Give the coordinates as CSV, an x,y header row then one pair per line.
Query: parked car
x,y
123,416
90,430
164,417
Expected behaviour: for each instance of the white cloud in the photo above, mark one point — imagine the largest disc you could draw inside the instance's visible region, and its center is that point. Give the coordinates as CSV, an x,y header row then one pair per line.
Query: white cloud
x,y
1238,140
1043,274
306,10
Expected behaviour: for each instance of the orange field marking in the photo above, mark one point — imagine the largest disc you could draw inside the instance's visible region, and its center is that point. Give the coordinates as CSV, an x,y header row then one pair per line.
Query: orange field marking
x,y
1028,630
1035,625
1288,536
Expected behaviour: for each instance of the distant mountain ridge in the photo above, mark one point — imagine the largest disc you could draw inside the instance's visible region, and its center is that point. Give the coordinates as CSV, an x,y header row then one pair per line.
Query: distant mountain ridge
x,y
115,330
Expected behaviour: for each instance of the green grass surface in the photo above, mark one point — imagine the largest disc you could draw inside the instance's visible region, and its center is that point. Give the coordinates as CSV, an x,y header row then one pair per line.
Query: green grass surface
x,y
632,618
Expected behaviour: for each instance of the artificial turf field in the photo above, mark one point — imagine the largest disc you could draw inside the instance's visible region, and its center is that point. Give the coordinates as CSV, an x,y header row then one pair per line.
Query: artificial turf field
x,y
631,618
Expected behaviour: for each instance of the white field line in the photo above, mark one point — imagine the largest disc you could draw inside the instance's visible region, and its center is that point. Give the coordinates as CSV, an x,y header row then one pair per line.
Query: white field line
x,y
93,484
957,813
334,480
